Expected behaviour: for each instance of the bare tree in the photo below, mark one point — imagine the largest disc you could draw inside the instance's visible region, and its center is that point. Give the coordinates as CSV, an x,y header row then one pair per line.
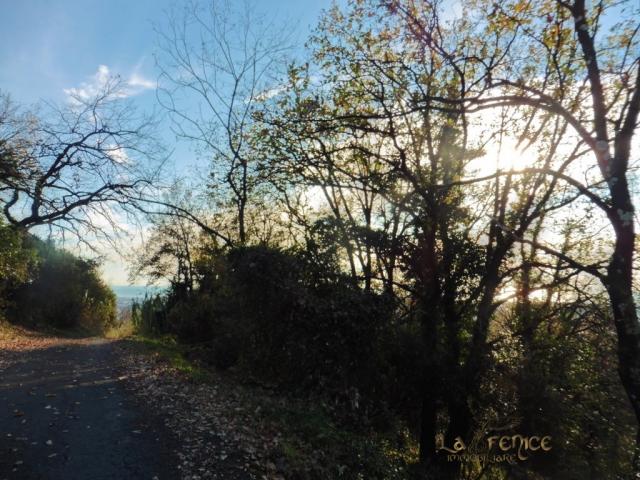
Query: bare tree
x,y
217,63
72,167
168,253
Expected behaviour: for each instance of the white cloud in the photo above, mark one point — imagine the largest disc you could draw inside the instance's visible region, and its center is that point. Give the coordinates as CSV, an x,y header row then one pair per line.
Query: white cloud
x,y
270,93
138,81
134,85
89,89
118,155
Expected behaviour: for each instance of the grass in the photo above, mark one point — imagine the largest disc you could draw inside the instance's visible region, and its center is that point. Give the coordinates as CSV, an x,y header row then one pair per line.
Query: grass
x,y
118,332
173,352
8,331
164,346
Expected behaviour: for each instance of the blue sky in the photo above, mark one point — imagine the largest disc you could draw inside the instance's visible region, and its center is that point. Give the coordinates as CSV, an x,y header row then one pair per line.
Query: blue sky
x,y
49,47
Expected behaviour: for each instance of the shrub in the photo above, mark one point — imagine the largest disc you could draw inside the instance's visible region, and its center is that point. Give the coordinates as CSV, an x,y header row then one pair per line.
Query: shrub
x,y
283,317
64,291
292,323
149,316
17,261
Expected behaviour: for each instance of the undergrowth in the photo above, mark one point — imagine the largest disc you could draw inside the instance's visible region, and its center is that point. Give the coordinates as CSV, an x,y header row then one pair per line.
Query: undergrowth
x,y
314,445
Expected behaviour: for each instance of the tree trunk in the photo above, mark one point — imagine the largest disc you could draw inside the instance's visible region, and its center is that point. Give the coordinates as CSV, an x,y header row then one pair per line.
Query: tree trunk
x,y
242,202
241,231
426,263
619,287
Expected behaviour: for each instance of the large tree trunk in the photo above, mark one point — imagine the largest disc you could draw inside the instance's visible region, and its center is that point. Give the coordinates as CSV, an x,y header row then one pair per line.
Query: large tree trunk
x,y
614,169
427,271
619,287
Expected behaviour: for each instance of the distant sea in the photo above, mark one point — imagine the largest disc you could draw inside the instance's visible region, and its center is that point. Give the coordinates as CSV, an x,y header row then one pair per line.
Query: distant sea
x,y
126,294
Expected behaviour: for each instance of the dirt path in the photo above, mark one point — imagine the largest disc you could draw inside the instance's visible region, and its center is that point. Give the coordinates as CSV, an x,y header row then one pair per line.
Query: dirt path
x,y
65,414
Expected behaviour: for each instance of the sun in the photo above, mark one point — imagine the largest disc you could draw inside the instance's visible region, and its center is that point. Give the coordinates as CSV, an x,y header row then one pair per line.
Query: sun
x,y
504,155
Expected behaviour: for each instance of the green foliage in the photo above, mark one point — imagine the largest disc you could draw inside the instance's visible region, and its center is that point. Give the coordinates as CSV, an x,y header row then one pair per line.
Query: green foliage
x,y
303,326
46,286
15,260
16,263
149,315
66,292
281,316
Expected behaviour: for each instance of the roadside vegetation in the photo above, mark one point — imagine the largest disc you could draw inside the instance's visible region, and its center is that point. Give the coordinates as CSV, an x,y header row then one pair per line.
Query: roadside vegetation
x,y
417,232
48,288
306,372
295,433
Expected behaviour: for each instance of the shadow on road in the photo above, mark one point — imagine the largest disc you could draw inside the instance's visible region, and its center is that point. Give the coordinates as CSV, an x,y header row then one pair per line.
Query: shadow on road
x,y
66,414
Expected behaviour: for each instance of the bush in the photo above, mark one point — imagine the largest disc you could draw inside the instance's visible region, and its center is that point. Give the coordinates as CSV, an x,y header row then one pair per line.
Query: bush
x,y
17,262
284,318
295,325
288,321
64,291
149,316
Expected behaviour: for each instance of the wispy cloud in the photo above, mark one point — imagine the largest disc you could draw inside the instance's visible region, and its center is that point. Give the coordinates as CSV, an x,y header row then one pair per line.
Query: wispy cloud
x,y
134,85
138,81
270,93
